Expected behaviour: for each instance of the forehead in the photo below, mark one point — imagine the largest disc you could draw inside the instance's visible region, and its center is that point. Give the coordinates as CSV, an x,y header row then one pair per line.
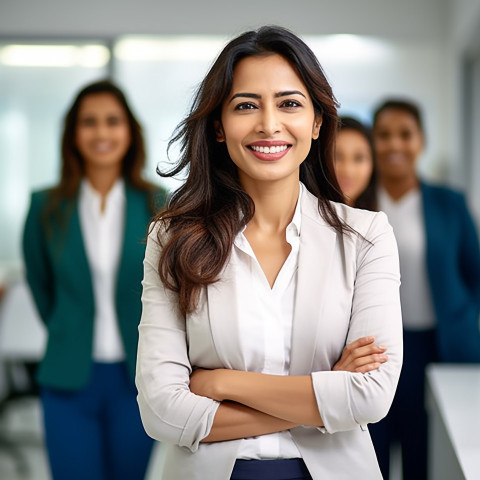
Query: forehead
x,y
352,139
100,102
270,71
395,118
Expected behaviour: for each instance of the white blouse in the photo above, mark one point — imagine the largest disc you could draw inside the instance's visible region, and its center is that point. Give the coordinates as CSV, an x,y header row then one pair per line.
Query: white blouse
x,y
103,238
406,217
265,330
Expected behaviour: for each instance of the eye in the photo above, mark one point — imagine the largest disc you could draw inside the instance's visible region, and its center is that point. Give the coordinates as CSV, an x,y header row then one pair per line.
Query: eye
x,y
114,121
406,135
383,135
87,122
245,106
290,104
360,158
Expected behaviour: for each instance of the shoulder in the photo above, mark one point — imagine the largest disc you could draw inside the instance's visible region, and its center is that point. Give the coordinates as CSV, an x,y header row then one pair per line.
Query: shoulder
x,y
39,199
365,222
153,196
41,196
441,193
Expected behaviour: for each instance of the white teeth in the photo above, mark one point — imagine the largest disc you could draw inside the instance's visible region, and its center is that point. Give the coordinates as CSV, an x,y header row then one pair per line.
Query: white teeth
x,y
276,149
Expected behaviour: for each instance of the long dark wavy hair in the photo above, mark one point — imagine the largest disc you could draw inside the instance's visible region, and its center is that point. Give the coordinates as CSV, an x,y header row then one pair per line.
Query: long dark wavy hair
x,y
368,198
61,198
206,213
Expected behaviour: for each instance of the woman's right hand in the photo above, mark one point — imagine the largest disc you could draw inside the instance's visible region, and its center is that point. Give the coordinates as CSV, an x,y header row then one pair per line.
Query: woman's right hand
x,y
361,356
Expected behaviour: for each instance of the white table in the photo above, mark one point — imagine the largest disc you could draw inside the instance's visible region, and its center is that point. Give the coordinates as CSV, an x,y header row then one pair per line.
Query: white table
x,y
453,401
22,334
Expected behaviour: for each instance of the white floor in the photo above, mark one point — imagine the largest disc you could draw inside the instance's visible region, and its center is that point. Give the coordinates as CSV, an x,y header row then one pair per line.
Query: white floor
x,y
22,426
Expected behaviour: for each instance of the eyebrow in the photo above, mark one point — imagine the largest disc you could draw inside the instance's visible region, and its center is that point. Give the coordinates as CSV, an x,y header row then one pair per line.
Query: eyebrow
x,y
277,95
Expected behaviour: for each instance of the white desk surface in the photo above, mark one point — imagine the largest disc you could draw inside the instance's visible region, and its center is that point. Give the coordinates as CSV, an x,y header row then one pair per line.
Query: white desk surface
x,y
456,391
22,334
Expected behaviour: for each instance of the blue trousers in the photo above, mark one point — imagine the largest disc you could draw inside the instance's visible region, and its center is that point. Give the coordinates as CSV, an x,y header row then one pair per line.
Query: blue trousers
x,y
96,433
283,469
407,421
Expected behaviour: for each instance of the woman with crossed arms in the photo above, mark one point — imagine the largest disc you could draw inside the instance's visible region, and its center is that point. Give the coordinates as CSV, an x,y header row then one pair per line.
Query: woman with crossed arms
x,y
256,276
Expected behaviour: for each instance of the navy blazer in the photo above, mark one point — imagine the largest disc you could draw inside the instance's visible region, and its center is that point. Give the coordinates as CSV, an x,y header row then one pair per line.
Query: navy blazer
x,y
453,268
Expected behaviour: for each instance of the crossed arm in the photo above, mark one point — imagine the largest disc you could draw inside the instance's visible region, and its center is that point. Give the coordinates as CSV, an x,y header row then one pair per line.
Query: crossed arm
x,y
257,404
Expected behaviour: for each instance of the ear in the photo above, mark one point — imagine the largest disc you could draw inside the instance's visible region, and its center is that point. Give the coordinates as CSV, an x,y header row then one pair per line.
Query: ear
x,y
316,126
219,134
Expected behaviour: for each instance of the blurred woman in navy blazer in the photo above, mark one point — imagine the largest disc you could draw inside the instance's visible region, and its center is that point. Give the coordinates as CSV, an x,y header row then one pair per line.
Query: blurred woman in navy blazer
x,y
83,255
440,268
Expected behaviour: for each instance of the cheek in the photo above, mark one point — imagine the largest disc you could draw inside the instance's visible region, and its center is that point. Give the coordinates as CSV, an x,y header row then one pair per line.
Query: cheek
x,y
363,173
123,134
81,136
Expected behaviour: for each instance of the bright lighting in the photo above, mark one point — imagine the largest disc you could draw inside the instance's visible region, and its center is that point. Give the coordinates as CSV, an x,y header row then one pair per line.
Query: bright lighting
x,y
54,55
346,48
157,49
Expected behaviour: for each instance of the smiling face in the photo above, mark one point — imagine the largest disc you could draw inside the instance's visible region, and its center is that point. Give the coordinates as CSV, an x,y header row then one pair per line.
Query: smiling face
x,y
102,134
268,120
398,144
353,163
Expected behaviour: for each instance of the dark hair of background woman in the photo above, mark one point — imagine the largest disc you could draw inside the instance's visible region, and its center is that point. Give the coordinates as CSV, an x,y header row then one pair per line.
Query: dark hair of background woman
x,y
73,168
406,106
206,213
368,198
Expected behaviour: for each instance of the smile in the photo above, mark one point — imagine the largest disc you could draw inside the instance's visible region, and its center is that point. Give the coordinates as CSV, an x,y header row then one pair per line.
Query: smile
x,y
270,152
277,149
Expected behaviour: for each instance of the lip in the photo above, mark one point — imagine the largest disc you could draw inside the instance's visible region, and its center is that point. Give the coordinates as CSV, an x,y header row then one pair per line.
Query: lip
x,y
102,147
268,143
269,157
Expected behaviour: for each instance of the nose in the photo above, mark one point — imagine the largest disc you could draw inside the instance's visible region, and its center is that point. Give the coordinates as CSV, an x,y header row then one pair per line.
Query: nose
x,y
269,121
100,129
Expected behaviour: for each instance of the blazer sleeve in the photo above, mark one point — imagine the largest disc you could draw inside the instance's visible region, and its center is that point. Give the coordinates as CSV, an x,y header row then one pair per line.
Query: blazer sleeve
x,y
169,411
345,399
469,251
38,266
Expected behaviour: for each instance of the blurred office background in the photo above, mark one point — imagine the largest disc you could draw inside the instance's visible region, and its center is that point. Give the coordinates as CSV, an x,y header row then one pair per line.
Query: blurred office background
x,y
158,51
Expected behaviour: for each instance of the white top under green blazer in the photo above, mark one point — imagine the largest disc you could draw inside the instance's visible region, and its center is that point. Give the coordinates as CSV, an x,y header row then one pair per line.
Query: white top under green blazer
x,y
347,287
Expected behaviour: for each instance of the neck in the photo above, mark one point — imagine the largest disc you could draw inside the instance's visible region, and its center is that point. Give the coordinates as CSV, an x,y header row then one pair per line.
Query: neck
x,y
102,180
275,204
396,189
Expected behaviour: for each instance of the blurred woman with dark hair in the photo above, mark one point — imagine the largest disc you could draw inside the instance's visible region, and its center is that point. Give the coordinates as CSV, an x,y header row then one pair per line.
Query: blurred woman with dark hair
x,y
83,251
440,267
262,293
355,164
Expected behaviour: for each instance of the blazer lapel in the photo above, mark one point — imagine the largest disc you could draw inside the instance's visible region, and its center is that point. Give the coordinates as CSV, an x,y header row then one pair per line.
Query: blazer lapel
x,y
74,256
133,241
317,245
223,317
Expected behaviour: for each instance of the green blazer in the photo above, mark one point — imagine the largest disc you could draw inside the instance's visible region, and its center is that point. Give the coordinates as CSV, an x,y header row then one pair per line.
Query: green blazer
x,y
59,277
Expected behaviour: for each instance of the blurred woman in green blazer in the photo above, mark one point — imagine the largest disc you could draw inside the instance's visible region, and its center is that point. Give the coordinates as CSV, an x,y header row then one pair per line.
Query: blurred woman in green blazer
x,y
83,249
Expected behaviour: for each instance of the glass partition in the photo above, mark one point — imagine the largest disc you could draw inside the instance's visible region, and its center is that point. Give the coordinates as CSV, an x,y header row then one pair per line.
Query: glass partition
x,y
37,83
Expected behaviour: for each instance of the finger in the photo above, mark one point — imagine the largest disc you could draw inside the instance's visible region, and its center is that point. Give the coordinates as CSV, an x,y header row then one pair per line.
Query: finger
x,y
369,367
361,362
367,350
360,342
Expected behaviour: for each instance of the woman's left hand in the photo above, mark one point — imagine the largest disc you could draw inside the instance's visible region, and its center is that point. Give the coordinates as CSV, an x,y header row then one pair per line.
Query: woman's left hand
x,y
361,356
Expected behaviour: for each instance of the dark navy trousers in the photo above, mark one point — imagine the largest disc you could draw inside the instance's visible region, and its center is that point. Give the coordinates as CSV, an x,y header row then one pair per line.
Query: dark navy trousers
x,y
96,433
282,469
407,421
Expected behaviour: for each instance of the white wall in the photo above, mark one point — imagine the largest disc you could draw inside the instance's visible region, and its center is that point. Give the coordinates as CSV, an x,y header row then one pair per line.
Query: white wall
x,y
412,19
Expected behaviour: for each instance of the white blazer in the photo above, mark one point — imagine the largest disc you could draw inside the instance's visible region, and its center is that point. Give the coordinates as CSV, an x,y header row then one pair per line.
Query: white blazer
x,y
348,287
